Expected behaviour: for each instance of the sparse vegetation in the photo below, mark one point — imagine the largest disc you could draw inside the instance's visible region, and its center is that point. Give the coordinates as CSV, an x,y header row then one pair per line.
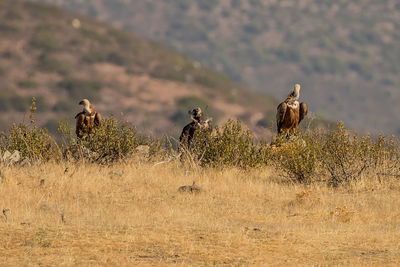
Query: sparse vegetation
x,y
44,39
335,157
49,63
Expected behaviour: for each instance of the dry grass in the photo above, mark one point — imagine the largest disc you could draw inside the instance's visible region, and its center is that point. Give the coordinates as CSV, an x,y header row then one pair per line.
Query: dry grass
x,y
132,214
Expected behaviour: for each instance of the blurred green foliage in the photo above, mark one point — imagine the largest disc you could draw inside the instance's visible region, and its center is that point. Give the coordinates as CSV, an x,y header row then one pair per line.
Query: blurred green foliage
x,y
79,89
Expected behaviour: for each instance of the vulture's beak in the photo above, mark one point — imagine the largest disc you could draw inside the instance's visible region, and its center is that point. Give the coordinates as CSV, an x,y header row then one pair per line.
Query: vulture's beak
x,y
81,103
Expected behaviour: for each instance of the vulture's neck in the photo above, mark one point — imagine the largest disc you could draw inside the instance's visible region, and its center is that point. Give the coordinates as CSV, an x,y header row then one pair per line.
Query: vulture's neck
x,y
89,110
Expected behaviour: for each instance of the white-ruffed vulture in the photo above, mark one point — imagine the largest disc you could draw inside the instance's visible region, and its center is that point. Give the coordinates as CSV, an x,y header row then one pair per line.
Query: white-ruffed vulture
x,y
290,112
87,119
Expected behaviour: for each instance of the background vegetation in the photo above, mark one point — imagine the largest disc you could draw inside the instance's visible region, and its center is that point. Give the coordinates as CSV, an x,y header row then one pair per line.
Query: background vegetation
x,y
344,53
60,58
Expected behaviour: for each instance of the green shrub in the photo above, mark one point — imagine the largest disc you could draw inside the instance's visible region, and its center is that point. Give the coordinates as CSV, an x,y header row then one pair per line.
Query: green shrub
x,y
297,158
33,143
113,57
95,35
28,83
229,145
44,39
48,63
345,156
8,29
110,142
338,156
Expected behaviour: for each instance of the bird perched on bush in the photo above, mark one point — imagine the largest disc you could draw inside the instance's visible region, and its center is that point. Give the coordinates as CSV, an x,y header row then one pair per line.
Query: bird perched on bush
x,y
198,123
290,112
87,119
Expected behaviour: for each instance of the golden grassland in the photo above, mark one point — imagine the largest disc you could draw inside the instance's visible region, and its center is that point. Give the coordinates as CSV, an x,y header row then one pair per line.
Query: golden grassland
x,y
62,214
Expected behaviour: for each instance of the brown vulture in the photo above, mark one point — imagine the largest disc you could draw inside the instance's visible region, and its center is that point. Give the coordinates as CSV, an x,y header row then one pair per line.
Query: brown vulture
x,y
290,112
87,119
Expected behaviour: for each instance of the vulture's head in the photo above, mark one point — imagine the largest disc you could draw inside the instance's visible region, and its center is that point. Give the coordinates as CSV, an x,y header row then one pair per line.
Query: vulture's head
x,y
196,114
84,102
86,106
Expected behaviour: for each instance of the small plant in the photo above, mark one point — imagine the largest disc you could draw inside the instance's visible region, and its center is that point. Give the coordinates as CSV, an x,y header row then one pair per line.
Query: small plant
x,y
110,142
345,156
34,144
229,145
297,158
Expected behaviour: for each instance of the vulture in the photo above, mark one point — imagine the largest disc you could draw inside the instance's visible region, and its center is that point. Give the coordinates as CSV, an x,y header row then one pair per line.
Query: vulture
x,y
87,119
198,123
290,112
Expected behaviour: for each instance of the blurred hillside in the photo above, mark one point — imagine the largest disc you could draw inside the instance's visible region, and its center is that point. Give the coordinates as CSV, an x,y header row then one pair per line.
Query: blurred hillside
x,y
345,53
61,58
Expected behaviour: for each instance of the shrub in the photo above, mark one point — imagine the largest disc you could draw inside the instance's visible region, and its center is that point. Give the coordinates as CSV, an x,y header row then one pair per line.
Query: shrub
x,y
345,156
2,71
44,39
297,158
28,83
48,63
8,29
110,142
33,143
229,145
116,58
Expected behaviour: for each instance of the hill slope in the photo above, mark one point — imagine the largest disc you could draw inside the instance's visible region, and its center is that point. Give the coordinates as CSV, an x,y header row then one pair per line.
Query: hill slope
x,y
345,53
61,58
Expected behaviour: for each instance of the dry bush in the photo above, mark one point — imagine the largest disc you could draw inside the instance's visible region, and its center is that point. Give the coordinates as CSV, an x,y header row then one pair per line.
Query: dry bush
x,y
110,142
346,156
337,157
34,143
113,141
297,158
230,145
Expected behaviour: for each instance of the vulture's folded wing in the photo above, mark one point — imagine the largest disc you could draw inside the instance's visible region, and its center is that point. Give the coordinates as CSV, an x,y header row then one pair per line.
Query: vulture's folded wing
x,y
80,124
280,115
303,111
97,119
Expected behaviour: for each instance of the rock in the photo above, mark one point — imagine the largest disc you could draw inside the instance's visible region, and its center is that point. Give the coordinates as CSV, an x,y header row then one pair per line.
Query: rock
x,y
9,158
190,188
